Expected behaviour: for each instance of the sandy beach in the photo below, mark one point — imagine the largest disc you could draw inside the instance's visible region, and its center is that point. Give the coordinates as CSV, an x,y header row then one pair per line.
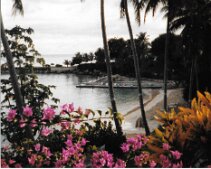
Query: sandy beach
x,y
153,103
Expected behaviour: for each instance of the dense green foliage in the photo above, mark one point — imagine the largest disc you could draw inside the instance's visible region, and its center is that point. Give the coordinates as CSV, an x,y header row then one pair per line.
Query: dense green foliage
x,y
25,56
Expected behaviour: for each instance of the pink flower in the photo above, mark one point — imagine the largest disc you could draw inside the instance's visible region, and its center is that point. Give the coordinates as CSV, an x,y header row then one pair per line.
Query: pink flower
x,y
33,123
125,147
131,140
137,161
87,112
80,110
177,165
11,161
152,164
67,108
165,162
4,164
18,165
22,123
83,141
176,154
48,114
120,164
11,115
46,131
37,147
46,151
166,146
32,159
27,111
58,164
79,164
65,154
102,159
65,125
69,143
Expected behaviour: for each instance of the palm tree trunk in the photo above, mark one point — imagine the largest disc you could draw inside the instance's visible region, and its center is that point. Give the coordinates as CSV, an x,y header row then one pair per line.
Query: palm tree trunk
x,y
191,82
109,71
165,106
196,74
137,70
14,80
11,67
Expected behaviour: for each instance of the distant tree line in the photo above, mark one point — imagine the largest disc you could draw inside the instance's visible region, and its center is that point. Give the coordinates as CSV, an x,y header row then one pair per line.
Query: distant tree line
x,y
151,57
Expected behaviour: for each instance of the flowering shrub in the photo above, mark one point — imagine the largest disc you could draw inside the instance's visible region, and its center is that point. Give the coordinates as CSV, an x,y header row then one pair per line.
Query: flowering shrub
x,y
71,134
188,130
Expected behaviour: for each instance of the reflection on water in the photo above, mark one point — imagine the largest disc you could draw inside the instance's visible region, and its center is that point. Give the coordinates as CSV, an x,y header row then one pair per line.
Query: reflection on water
x,y
94,98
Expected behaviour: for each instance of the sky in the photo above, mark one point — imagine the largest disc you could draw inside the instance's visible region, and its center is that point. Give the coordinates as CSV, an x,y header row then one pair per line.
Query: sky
x,y
69,26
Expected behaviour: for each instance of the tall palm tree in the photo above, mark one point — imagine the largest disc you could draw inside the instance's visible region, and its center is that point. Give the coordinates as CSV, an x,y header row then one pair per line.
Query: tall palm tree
x,y
153,5
194,17
17,7
109,71
124,11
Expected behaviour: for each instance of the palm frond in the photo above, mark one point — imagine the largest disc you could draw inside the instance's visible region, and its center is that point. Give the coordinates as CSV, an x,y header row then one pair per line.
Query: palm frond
x,y
17,7
122,9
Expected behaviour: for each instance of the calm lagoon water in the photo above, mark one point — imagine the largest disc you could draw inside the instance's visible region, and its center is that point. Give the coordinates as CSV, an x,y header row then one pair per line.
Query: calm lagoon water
x,y
93,98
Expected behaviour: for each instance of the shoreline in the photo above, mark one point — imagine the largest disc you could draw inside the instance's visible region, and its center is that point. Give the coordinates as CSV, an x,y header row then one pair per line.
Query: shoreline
x,y
151,105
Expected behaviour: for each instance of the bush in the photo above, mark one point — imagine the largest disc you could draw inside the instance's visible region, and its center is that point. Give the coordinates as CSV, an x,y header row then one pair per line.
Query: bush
x,y
188,130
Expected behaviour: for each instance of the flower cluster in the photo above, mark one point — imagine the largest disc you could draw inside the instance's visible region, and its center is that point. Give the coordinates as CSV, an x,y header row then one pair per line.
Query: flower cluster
x,y
59,144
104,159
170,158
133,144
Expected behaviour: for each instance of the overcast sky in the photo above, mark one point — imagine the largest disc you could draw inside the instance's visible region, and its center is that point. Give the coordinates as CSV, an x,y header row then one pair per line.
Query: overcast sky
x,y
69,26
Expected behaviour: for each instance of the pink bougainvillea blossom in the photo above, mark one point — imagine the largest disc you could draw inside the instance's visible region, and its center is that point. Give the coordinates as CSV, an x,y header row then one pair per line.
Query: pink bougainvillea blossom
x,y
46,151
11,161
27,111
32,159
22,123
152,164
166,146
102,159
120,164
65,125
48,114
83,141
46,131
4,164
37,147
177,165
176,154
67,108
165,162
11,115
125,147
33,123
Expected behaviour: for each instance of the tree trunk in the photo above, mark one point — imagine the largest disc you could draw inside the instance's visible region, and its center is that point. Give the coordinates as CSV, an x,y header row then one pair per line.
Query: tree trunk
x,y
191,82
165,79
137,70
14,80
11,67
109,71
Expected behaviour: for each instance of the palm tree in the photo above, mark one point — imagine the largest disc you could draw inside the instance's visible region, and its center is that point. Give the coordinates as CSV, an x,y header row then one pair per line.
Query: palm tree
x,y
17,7
194,17
66,62
153,5
124,11
109,71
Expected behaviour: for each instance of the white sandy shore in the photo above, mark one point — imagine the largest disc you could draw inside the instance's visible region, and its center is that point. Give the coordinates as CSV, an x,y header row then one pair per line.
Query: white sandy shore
x,y
152,104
